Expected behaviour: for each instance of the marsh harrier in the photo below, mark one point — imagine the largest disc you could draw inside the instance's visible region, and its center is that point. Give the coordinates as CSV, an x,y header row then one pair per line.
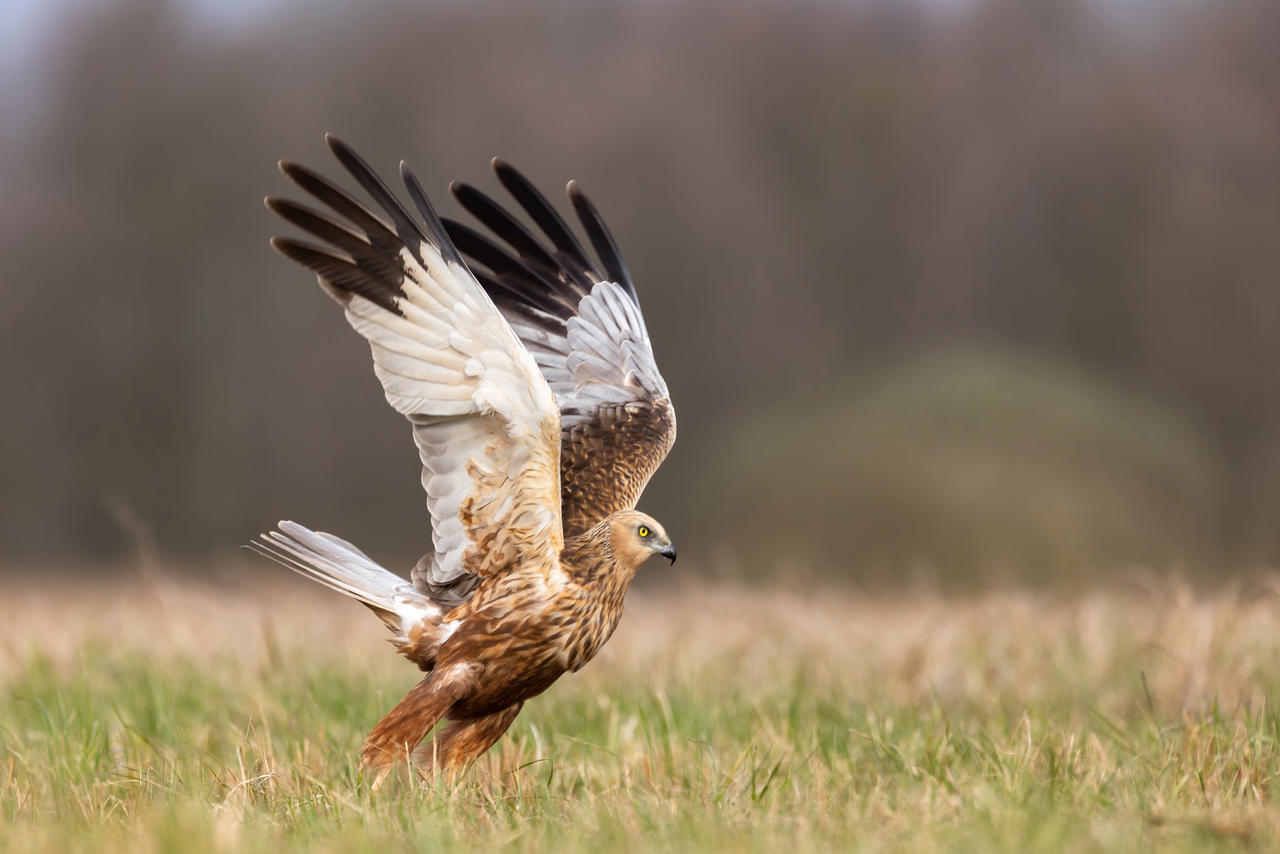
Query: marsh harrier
x,y
539,415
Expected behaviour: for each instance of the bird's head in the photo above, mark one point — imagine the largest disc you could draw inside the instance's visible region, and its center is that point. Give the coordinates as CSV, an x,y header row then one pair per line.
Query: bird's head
x,y
635,537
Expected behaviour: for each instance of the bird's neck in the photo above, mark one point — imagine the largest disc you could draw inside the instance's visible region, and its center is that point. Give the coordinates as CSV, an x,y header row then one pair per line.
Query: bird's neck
x,y
599,584
590,562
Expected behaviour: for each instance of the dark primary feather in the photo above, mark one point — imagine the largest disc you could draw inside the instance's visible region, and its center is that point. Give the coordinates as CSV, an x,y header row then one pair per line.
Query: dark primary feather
x,y
531,270
502,224
512,275
378,231
358,246
602,240
448,250
564,268
339,271
537,206
366,259
406,226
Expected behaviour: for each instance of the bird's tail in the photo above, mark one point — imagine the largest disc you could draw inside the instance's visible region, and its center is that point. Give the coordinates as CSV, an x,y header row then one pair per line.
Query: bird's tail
x,y
340,566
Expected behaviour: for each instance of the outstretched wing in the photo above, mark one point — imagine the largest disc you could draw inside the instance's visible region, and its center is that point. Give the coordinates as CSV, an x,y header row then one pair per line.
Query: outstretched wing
x,y
484,420
585,330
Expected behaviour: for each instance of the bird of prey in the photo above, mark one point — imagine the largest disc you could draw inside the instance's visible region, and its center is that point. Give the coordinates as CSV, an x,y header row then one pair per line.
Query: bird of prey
x,y
539,415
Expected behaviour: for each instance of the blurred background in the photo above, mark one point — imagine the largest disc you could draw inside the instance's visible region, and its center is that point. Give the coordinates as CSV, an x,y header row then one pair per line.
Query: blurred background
x,y
966,291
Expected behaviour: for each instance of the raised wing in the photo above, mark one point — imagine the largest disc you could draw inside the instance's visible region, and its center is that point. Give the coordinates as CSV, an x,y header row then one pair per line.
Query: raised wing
x,y
484,420
585,330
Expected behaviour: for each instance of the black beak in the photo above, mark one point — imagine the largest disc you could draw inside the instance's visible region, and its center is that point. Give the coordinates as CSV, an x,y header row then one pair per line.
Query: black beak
x,y
669,553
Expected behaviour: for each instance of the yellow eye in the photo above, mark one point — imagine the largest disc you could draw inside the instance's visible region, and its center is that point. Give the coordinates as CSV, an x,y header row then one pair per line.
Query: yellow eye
x,y
644,532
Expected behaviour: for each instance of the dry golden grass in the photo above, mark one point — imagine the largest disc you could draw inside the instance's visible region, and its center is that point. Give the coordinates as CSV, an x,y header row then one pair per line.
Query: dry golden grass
x,y
225,715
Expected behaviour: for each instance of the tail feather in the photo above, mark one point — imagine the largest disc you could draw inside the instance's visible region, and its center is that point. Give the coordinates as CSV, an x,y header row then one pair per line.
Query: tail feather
x,y
340,566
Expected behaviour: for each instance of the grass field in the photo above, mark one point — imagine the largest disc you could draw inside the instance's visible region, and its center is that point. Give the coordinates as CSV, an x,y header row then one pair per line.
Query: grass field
x,y
157,716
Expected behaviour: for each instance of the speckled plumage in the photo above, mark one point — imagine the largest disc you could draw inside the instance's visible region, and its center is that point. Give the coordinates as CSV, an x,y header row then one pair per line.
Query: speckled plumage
x,y
539,416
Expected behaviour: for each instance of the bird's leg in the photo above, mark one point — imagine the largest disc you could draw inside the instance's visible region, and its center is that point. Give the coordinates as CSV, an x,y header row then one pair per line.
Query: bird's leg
x,y
463,741
397,734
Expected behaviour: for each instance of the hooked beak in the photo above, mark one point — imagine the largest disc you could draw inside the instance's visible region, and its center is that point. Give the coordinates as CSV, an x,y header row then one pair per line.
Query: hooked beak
x,y
669,552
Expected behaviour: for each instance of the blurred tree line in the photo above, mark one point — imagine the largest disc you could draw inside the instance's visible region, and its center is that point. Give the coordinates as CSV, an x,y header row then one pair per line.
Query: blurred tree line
x,y
807,193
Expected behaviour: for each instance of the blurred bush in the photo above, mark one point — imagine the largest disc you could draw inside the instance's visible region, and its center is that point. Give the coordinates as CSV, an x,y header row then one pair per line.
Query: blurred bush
x,y
966,467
